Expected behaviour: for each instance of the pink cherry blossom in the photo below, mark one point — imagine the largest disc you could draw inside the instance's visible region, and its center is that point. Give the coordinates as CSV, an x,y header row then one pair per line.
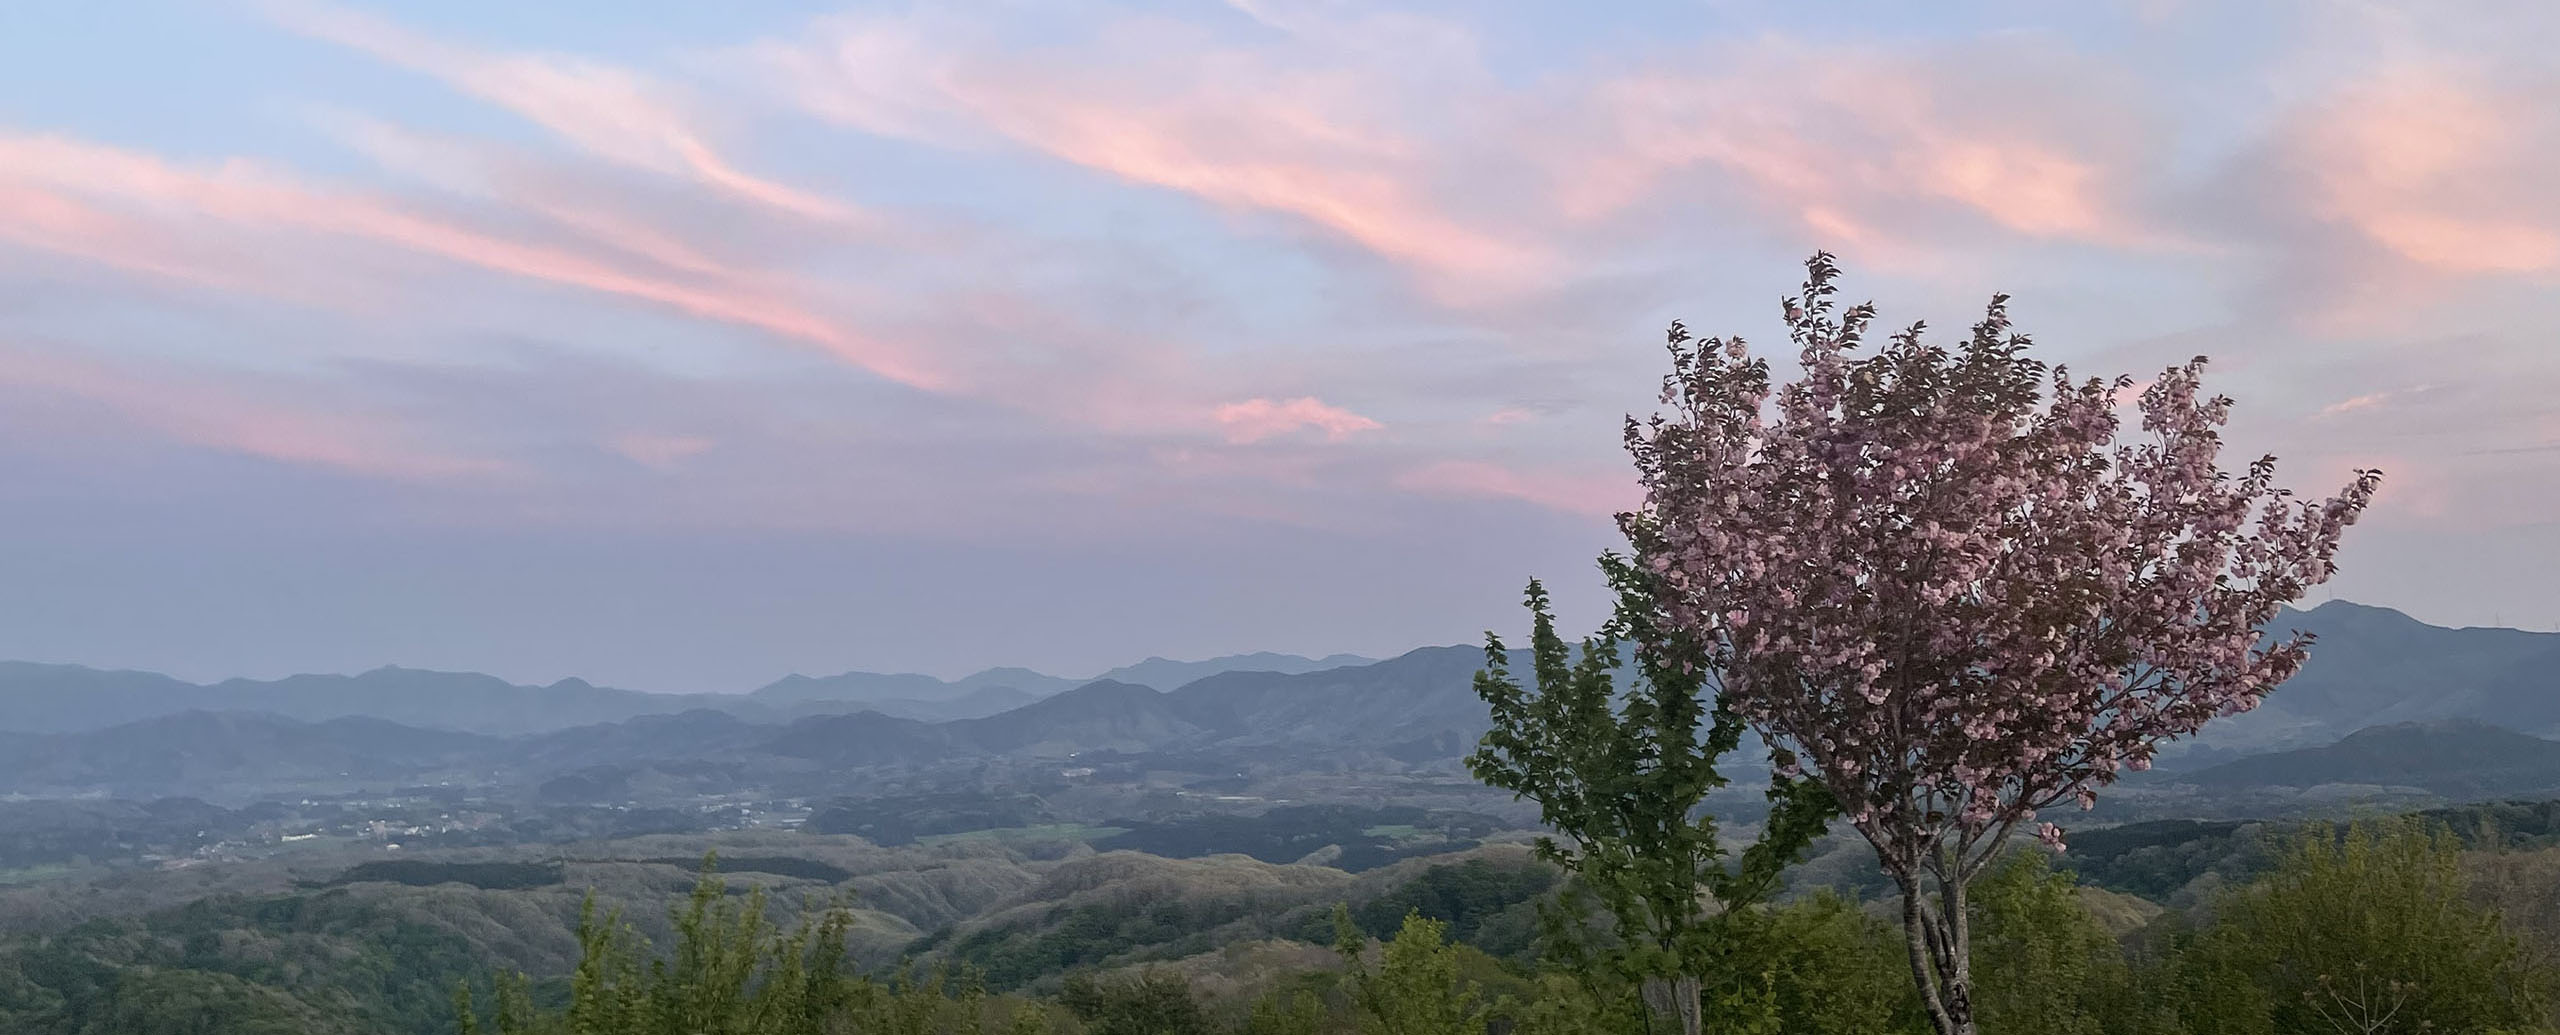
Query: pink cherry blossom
x,y
1947,579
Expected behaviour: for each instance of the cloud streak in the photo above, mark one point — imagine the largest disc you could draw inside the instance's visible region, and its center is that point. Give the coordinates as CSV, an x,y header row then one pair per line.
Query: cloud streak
x,y
608,111
51,174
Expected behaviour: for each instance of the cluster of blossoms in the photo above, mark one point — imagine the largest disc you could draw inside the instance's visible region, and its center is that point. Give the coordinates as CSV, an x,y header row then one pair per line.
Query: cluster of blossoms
x,y
1939,578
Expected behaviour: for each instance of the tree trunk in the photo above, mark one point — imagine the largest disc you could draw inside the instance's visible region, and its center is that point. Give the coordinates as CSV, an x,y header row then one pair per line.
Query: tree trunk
x,y
1955,963
1677,998
1941,957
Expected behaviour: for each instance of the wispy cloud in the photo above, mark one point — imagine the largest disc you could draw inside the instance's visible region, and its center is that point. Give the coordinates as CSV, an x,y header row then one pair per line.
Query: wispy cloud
x,y
609,111
46,170
1165,107
1870,149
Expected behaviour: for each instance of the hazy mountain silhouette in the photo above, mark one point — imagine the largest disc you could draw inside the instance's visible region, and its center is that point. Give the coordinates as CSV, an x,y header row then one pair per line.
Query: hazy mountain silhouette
x,y
2374,666
41,698
69,698
78,727
1163,674
2457,758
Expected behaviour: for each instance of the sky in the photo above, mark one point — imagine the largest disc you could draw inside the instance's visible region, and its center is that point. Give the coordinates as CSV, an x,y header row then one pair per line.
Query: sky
x,y
680,346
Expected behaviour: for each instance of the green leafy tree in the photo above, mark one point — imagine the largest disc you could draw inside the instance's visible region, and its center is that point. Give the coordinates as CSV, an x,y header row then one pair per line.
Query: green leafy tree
x,y
1286,1012
1623,777
2045,963
1571,1002
2366,930
1149,1003
1416,987
1831,969
731,972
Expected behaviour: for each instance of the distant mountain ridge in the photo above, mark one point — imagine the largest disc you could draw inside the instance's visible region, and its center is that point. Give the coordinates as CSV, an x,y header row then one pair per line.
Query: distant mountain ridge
x,y
2371,667
36,698
2459,759
43,698
1169,675
1418,705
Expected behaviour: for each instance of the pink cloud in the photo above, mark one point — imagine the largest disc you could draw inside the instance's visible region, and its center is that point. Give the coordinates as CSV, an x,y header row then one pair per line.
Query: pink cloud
x,y
468,167
608,111
1228,125
239,193
1476,479
56,223
2447,175
1486,188
1858,146
1253,420
2350,405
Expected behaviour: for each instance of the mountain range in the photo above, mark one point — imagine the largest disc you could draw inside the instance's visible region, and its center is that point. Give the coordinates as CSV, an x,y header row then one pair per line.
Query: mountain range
x,y
2459,759
70,729
1419,702
41,698
2373,666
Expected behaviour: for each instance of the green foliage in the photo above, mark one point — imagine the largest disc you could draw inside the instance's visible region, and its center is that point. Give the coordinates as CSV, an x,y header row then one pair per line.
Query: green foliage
x,y
1085,935
190,1002
779,865
1830,969
1577,1003
1415,988
732,973
1146,1004
2154,859
1368,837
2043,962
2395,918
1286,1012
1463,897
333,960
487,876
1624,776
2363,929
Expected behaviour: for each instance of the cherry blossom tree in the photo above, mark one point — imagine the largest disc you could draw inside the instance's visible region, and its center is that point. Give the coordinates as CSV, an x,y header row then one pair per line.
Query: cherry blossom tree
x,y
1937,580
